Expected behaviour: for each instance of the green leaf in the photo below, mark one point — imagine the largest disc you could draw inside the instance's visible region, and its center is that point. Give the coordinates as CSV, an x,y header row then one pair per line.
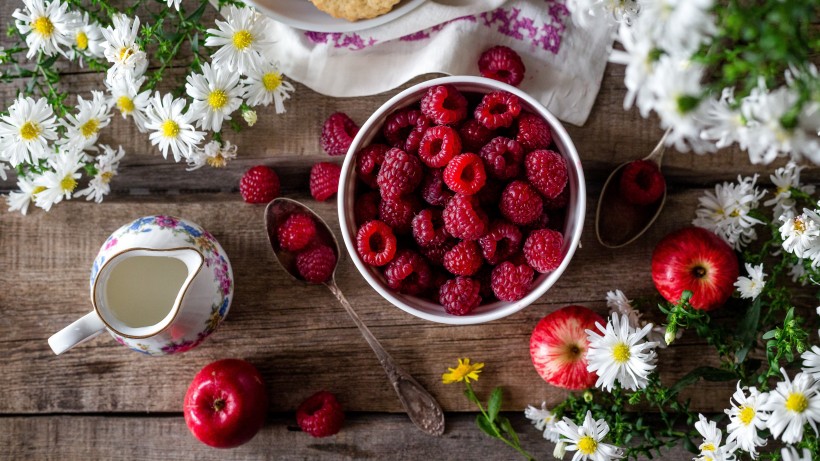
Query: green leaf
x,y
471,396
689,445
770,334
494,404
198,13
486,426
747,330
506,426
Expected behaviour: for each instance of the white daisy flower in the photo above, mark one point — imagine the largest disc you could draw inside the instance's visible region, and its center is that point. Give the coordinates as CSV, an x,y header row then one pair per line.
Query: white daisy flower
x,y
793,404
265,85
249,116
241,39
750,287
106,165
45,25
213,154
726,211
26,131
746,419
544,420
791,454
723,124
586,440
19,200
619,10
640,64
785,179
59,182
121,48
798,272
174,3
87,38
811,362
125,96
679,26
801,234
171,127
83,130
216,93
620,354
618,303
3,169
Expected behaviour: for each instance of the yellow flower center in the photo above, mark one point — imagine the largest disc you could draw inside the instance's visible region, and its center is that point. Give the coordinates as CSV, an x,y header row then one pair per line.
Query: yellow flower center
x,y
125,53
106,177
90,128
82,40
242,39
68,183
746,415
707,447
797,402
217,99
621,353
799,226
29,131
587,445
170,129
43,26
37,190
125,104
271,81
217,161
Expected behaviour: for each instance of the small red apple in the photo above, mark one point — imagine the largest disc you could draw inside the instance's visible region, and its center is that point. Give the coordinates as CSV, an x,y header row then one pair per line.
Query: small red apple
x,y
697,260
558,347
226,403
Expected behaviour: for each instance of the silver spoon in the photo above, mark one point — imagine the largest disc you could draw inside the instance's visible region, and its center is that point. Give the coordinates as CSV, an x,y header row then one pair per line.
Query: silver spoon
x,y
421,407
619,223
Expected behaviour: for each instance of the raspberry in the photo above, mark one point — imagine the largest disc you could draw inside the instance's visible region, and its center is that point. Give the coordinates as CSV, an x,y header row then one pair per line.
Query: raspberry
x,y
498,109
411,146
368,161
501,242
400,173
642,182
460,295
474,135
324,180
408,273
398,213
259,184
511,282
366,207
533,132
316,264
543,250
465,174
520,203
435,255
444,104
337,133
320,415
542,222
376,243
547,172
398,126
464,258
502,64
503,157
428,228
558,203
433,189
438,145
296,231
463,218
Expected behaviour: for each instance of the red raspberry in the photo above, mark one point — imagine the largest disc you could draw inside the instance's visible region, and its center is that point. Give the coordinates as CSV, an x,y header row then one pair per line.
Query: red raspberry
x,y
400,174
399,124
408,273
558,203
511,282
324,180
460,295
438,146
498,109
463,218
642,182
547,172
435,255
296,231
320,415
503,157
440,277
520,203
444,104
316,264
366,207
465,174
502,64
501,242
411,146
428,228
533,132
260,184
474,135
368,161
433,189
543,250
376,243
398,213
337,133
542,222
464,258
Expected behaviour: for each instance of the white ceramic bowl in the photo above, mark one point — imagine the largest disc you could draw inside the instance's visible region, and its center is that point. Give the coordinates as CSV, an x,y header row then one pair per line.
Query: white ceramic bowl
x,y
421,307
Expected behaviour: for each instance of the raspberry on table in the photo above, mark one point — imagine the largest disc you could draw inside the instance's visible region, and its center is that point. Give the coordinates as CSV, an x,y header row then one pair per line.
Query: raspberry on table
x,y
642,182
543,250
501,242
320,415
465,174
368,161
376,243
324,180
296,231
259,184
366,207
428,228
398,213
444,104
474,135
338,133
316,264
520,203
463,218
411,145
400,174
408,273
464,258
547,172
460,295
438,145
433,189
503,157
399,124
511,282
533,132
498,110
503,64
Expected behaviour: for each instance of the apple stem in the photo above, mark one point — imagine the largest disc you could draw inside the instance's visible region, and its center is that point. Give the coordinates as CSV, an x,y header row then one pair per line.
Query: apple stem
x,y
219,404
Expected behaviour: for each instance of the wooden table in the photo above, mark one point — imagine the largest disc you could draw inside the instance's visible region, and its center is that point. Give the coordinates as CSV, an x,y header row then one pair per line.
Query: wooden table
x,y
101,401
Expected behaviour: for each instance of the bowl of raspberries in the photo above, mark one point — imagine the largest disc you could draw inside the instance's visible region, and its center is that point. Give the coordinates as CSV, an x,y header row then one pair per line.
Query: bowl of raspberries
x,y
461,200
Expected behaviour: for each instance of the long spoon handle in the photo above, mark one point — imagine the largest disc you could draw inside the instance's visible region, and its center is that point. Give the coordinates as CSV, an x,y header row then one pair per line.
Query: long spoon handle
x,y
421,407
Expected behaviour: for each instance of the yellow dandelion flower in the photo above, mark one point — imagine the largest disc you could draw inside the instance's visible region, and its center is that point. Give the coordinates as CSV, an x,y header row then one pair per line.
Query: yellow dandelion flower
x,y
465,371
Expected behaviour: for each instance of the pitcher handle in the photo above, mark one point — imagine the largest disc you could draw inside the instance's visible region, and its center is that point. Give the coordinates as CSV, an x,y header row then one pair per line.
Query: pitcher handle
x,y
88,326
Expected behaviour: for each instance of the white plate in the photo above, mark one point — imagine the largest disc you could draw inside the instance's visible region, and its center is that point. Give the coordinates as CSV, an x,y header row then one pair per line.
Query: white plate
x,y
301,14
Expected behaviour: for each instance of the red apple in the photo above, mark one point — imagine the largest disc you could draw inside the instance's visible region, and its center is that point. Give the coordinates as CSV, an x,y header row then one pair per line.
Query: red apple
x,y
558,347
697,260
226,403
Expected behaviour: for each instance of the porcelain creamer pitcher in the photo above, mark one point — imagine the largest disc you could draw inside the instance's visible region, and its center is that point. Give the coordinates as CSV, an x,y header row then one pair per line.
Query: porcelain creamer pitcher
x,y
160,285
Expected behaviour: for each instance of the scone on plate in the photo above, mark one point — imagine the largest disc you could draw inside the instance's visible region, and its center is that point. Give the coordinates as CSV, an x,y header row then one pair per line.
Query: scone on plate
x,y
353,10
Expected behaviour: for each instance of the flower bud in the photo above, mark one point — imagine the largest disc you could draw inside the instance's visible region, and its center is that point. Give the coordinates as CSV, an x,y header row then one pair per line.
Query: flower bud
x,y
249,116
588,396
671,332
559,450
